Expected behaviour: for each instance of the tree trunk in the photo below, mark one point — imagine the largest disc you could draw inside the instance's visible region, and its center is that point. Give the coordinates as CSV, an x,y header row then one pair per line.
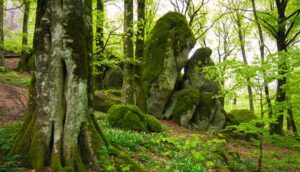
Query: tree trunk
x,y
100,74
291,124
139,54
262,57
242,45
128,80
277,127
60,130
2,60
23,64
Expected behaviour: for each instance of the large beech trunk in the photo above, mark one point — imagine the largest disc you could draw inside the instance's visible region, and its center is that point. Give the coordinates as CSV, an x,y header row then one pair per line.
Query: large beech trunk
x,y
60,130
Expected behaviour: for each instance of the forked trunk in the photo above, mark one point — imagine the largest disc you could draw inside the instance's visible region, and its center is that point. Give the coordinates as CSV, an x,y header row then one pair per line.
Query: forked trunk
x,y
60,130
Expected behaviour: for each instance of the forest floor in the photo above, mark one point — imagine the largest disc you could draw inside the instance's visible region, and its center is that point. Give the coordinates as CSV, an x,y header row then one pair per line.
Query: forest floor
x,y
175,149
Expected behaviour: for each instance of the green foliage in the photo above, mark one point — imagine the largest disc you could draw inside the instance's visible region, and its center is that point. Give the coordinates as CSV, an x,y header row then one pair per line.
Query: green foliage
x,y
10,163
15,78
3,69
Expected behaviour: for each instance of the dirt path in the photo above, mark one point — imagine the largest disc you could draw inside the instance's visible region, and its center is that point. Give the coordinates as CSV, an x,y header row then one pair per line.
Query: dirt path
x,y
13,103
11,63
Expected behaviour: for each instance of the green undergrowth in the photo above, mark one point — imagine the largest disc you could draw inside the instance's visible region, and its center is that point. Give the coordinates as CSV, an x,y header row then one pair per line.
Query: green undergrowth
x,y
15,78
164,152
9,163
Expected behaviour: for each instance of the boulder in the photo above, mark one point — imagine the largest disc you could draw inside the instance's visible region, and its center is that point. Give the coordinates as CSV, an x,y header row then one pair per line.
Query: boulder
x,y
114,78
166,53
130,117
182,106
235,117
195,105
104,99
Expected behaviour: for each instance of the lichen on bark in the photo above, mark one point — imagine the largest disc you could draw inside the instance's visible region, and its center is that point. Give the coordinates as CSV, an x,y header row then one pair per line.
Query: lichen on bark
x,y
60,129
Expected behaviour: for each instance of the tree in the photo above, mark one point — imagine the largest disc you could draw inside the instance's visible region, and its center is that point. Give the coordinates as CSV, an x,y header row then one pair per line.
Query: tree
x,y
128,80
24,53
60,129
262,57
1,33
286,33
240,28
139,53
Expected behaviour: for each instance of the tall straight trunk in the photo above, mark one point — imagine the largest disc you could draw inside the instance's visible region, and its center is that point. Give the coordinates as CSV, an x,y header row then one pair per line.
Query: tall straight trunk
x,y
140,102
242,45
100,75
24,54
282,67
60,129
128,79
262,58
1,33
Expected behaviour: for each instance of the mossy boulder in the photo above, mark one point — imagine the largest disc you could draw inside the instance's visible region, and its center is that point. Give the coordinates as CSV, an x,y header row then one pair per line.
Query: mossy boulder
x,y
105,99
182,106
194,103
166,53
114,78
194,75
235,117
130,117
210,114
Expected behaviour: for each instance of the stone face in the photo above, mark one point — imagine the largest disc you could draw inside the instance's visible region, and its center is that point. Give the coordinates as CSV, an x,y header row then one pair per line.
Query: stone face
x,y
166,53
114,78
194,104
130,117
105,99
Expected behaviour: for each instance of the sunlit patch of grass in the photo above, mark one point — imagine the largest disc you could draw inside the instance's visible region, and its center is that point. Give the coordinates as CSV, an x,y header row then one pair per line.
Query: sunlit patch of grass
x,y
15,78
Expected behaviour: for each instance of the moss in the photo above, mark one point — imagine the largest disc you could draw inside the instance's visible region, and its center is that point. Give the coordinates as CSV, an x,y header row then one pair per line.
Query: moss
x,y
103,100
153,124
171,26
75,30
184,100
130,117
114,78
131,121
238,116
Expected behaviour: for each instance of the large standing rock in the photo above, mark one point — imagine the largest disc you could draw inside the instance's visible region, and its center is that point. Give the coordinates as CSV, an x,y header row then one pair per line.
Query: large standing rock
x,y
166,53
206,112
114,78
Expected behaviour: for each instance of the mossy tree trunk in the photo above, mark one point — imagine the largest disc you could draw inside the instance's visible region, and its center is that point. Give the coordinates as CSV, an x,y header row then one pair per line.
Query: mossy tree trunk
x,y
100,70
140,101
128,80
60,130
24,59
1,33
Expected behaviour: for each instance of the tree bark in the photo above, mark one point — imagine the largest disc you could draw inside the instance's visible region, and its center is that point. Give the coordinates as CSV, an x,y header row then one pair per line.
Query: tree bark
x,y
128,80
242,45
140,102
2,60
60,129
262,57
100,74
24,59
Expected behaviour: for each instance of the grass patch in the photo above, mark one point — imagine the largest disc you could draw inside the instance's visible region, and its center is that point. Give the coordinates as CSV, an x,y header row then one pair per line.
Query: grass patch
x,y
15,78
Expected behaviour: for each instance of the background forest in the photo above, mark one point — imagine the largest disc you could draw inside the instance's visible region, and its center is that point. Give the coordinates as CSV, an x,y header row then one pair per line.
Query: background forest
x,y
176,85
